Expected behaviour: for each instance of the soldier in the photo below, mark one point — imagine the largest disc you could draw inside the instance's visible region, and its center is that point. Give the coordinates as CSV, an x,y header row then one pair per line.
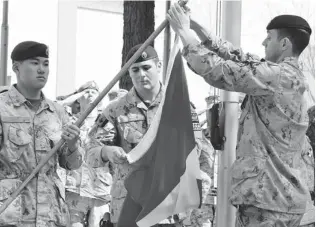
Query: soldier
x,y
30,125
131,116
87,188
203,217
269,176
116,93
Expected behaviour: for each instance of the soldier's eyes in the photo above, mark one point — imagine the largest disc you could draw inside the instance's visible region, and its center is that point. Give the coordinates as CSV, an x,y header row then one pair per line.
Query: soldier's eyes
x,y
147,68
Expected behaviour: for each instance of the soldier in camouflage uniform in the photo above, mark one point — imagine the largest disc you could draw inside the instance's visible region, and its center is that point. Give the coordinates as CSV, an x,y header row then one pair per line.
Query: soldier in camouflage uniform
x,y
87,188
130,117
30,125
203,217
269,177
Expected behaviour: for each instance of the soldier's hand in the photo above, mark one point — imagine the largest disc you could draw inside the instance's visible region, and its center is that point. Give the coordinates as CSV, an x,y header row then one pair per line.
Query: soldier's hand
x,y
71,135
114,154
178,17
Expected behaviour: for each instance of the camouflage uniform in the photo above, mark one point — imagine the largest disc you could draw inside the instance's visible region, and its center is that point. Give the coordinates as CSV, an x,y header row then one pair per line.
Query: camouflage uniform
x,y
87,188
269,172
130,119
204,216
26,137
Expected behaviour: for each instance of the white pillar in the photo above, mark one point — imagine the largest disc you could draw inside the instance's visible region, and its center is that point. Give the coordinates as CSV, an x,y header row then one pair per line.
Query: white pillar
x,y
231,31
66,47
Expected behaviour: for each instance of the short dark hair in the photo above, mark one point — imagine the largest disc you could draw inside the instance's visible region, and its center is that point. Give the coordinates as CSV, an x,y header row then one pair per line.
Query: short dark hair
x,y
298,37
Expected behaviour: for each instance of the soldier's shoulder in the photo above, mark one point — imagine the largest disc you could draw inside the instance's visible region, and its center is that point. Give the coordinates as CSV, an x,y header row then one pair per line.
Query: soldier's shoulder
x,y
116,106
4,91
57,107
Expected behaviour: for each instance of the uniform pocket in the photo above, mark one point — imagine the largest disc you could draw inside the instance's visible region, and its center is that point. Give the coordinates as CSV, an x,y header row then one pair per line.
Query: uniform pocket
x,y
17,141
13,214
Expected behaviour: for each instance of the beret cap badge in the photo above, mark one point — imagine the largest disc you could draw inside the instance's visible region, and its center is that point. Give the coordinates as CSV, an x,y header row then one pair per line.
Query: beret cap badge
x,y
144,55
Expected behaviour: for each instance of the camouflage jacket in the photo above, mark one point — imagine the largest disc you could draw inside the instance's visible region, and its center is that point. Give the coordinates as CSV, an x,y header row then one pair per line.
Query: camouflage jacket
x,y
269,171
88,181
25,139
129,118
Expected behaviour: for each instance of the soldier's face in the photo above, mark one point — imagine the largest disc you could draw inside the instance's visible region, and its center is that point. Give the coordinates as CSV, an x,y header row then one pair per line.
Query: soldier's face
x,y
32,73
272,46
89,96
145,75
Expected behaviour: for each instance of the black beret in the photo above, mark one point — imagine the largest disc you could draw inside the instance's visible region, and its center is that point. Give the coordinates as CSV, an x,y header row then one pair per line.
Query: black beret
x,y
29,49
148,53
289,21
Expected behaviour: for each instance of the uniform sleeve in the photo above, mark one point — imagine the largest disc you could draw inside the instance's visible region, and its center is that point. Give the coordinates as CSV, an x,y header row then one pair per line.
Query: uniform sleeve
x,y
67,159
227,50
102,133
247,75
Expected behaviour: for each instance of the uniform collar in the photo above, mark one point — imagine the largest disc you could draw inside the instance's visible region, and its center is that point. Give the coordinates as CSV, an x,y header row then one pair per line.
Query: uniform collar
x,y
291,60
18,99
134,99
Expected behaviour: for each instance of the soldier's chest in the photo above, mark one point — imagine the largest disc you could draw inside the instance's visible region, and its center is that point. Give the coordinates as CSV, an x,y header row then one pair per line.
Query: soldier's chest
x,y
133,124
28,136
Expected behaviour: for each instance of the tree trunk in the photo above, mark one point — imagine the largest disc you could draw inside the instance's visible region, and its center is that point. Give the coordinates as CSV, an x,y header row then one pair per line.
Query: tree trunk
x,y
139,24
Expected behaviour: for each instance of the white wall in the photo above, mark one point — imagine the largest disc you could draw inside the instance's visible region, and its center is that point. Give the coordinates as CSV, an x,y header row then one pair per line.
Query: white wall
x,y
99,46
34,20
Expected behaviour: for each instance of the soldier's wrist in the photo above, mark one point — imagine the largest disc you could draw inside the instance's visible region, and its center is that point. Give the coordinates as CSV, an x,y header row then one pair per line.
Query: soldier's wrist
x,y
73,148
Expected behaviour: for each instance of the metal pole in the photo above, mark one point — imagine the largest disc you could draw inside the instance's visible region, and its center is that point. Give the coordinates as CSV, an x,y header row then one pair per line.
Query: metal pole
x,y
167,41
231,31
4,44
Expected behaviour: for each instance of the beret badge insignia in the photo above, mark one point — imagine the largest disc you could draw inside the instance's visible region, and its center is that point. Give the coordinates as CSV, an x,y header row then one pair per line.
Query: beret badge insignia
x,y
144,55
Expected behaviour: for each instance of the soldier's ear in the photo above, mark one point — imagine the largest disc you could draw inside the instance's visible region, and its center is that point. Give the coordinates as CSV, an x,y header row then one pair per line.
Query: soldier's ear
x,y
15,66
159,66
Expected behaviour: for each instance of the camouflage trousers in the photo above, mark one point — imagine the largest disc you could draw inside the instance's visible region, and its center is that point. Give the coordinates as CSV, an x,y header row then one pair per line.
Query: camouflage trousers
x,y
79,206
250,216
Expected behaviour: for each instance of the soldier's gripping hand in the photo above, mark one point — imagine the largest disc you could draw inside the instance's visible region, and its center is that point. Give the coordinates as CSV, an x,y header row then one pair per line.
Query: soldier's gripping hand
x,y
113,154
71,135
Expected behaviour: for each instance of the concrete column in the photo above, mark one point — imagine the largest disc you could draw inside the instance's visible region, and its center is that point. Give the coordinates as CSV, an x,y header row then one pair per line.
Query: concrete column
x,y
66,47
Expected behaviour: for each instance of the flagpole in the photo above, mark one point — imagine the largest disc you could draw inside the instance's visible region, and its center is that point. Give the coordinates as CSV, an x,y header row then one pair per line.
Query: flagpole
x,y
231,31
4,44
167,41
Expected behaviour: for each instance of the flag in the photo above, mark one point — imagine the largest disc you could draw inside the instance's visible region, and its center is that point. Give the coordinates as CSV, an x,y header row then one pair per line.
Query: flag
x,y
166,176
